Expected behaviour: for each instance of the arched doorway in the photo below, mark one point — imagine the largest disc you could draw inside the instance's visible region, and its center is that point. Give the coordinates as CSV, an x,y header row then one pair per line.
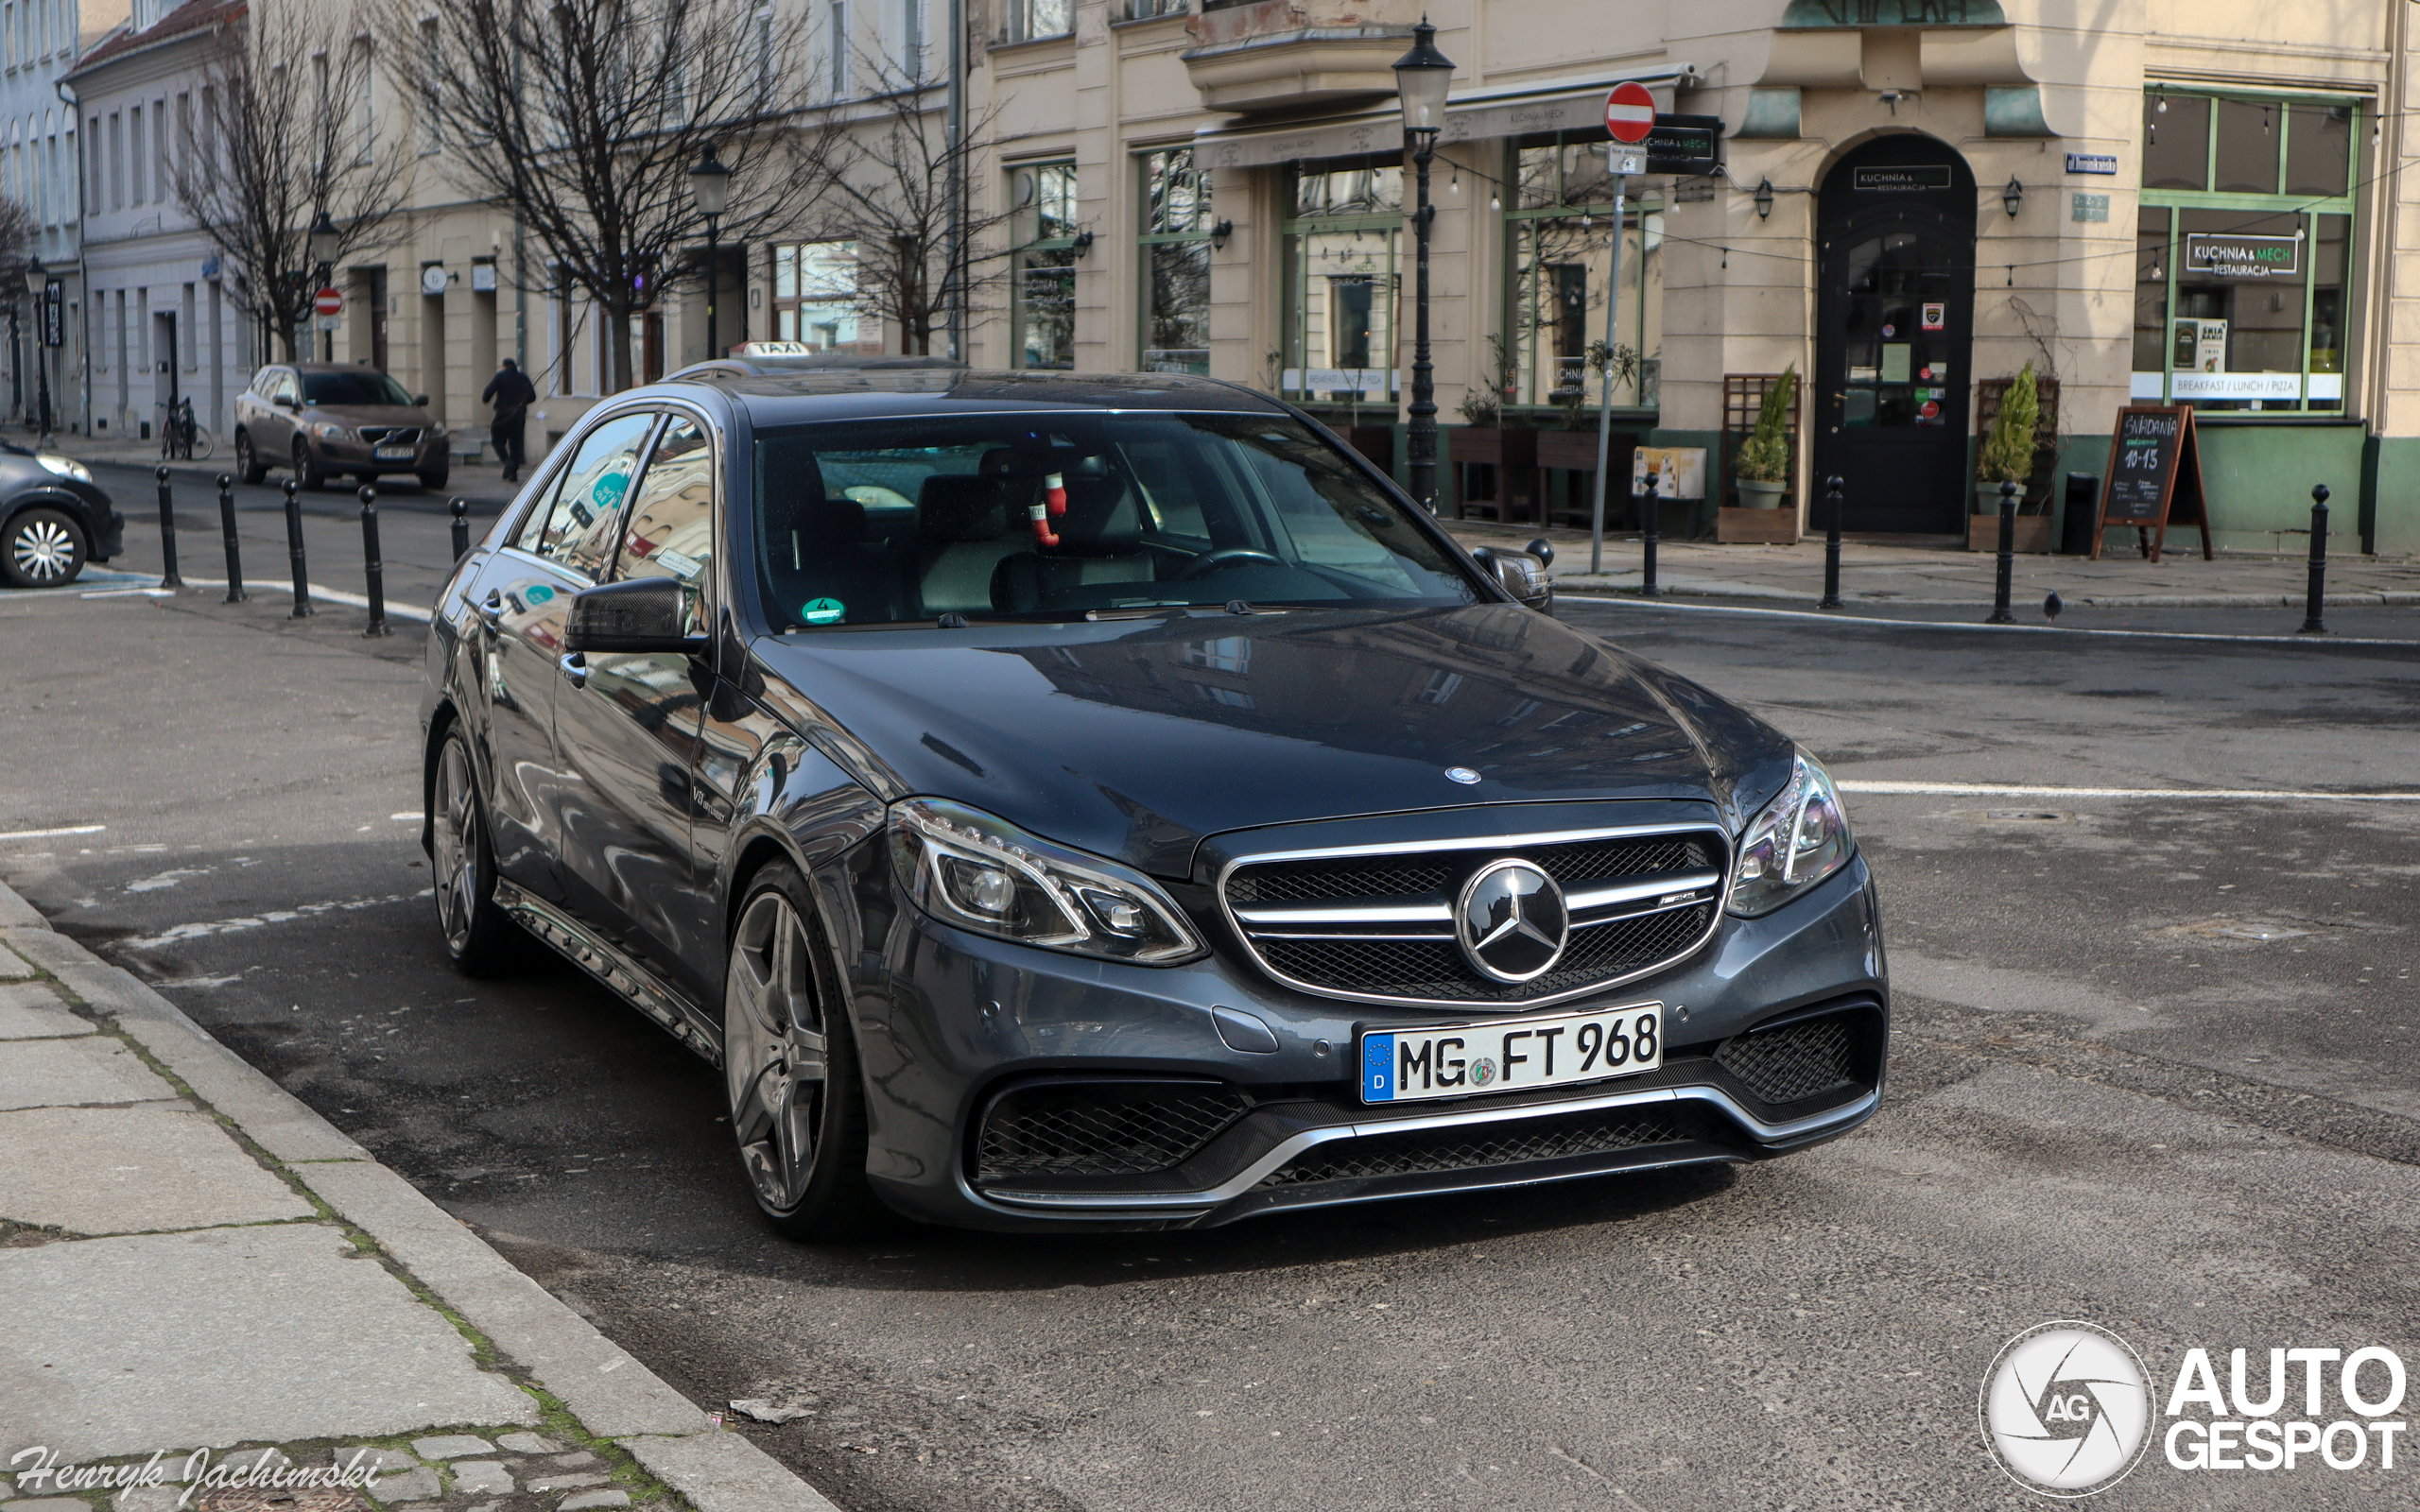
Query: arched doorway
x,y
1894,334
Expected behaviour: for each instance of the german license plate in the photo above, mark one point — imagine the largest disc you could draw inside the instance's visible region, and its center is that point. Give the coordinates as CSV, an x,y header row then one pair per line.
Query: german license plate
x,y
395,453
1408,1065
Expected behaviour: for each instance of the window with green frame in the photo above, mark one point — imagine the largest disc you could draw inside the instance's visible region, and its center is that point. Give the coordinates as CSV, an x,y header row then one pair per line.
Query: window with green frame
x,y
1175,243
1342,284
1559,263
1042,278
2244,251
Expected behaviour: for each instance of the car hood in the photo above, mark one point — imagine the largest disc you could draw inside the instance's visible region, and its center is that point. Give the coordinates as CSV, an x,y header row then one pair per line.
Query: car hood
x,y
1139,739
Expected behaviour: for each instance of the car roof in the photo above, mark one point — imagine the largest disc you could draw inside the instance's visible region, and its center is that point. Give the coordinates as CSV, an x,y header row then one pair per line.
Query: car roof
x,y
932,387
329,367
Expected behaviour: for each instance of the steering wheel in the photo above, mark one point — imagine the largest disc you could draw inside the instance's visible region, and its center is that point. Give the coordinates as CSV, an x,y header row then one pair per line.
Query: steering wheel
x,y
1226,557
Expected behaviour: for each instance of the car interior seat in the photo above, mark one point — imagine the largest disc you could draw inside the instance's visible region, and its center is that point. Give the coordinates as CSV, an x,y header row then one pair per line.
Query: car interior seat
x,y
817,547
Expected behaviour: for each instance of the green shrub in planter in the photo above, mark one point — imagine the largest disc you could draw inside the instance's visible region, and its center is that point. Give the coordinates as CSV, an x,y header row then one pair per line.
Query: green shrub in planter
x,y
2008,450
1764,457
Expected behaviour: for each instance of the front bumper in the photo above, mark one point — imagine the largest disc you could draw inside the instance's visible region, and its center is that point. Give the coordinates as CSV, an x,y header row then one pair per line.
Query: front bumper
x,y
428,456
959,1031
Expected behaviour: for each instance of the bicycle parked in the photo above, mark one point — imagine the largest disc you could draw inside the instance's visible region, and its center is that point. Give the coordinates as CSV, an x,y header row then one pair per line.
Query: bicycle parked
x,y
186,438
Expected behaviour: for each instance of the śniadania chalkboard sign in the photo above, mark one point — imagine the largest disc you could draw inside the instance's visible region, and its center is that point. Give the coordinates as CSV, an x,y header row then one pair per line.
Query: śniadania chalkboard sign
x,y
2154,477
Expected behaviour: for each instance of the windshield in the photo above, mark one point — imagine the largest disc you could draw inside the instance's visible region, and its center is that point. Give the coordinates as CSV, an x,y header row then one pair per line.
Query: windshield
x,y
985,515
363,387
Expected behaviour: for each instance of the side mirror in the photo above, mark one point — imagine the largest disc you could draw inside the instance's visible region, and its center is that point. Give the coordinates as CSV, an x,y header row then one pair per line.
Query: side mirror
x,y
638,615
422,399
286,402
1521,575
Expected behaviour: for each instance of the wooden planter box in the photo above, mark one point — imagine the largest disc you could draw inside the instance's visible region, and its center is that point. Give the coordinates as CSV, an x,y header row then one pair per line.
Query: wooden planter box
x,y
1575,452
1512,451
1756,528
1376,442
2033,533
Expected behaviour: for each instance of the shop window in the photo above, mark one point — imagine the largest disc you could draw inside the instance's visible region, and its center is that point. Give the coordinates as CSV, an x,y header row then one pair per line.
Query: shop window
x,y
815,296
1043,272
2240,291
2176,142
1561,235
1175,243
1344,284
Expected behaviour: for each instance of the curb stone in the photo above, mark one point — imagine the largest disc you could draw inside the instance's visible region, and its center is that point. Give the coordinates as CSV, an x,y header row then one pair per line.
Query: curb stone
x,y
601,1384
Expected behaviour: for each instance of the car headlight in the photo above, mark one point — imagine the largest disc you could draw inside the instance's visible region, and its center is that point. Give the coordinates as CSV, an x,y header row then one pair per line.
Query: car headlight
x,y
437,433
66,467
330,432
1801,838
969,868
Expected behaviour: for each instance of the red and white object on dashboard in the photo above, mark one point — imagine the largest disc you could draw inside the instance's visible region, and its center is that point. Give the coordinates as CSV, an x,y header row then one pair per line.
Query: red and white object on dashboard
x,y
1052,503
1630,112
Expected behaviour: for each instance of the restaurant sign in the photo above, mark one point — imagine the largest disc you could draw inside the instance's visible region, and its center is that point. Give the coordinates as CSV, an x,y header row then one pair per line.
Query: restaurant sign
x,y
2226,255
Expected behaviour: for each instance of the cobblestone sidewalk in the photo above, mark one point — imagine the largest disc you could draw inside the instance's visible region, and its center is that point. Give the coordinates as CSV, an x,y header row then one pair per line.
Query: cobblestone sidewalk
x,y
192,1261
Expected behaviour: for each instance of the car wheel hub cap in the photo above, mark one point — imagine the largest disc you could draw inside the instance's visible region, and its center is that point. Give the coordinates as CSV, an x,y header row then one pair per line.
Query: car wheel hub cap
x,y
773,1051
44,551
457,850
1511,922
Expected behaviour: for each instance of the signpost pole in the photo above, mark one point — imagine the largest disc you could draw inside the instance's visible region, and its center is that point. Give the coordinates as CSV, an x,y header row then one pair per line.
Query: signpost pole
x,y
1630,115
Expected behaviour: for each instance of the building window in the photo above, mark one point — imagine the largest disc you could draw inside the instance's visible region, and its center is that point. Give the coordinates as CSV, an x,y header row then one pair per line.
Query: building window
x,y
1559,235
1343,288
1176,264
840,45
2242,249
1030,19
1145,9
815,296
1043,275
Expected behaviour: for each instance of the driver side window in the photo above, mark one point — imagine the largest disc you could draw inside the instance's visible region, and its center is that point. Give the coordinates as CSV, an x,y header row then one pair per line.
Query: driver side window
x,y
580,524
671,532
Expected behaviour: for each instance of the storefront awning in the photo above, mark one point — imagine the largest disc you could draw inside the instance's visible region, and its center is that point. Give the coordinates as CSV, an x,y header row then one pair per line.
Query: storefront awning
x,y
1508,110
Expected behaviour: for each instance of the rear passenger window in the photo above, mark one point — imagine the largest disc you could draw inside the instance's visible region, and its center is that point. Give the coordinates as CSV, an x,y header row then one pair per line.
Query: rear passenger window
x,y
671,532
578,526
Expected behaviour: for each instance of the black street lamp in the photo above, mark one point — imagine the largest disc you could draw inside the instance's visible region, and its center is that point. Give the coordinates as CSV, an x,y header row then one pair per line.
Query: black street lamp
x,y
1422,77
710,185
38,285
325,242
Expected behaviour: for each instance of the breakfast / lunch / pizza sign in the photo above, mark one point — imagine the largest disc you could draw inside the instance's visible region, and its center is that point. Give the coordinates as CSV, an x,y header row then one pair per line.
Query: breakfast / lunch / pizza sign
x,y
2154,477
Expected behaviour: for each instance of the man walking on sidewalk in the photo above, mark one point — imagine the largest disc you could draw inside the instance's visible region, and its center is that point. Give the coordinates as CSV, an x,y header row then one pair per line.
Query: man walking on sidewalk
x,y
511,393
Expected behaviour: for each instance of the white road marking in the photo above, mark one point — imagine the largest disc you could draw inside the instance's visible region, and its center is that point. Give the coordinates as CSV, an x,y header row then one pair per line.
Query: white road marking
x,y
178,934
130,592
45,834
334,595
168,879
414,818
2011,790
2315,641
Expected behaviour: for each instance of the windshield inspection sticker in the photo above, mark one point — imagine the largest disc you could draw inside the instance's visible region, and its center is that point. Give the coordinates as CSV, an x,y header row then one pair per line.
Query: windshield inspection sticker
x,y
824,611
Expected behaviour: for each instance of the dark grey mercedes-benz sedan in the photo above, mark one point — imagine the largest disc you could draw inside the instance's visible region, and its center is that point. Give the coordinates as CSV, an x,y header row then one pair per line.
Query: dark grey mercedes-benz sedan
x,y
1063,801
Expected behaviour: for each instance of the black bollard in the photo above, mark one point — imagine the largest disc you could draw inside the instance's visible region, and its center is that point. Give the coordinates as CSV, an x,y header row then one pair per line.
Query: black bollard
x,y
1832,545
2315,595
2001,614
294,549
461,508
370,566
168,536
235,593
1647,511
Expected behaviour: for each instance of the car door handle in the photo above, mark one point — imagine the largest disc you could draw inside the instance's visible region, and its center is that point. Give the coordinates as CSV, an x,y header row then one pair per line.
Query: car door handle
x,y
574,667
491,608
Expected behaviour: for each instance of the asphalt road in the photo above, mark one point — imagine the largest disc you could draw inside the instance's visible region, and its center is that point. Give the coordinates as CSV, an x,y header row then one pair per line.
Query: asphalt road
x,y
2154,1067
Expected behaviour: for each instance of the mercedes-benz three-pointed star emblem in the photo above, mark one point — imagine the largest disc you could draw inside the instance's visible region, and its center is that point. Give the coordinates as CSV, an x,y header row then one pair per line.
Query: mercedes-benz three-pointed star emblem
x,y
1511,922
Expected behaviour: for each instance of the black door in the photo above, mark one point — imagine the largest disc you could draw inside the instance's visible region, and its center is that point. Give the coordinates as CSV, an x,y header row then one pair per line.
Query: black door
x,y
1894,334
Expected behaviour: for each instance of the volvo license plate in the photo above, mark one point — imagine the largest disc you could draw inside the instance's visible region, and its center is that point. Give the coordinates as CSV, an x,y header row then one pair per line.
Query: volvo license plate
x,y
395,453
1513,1055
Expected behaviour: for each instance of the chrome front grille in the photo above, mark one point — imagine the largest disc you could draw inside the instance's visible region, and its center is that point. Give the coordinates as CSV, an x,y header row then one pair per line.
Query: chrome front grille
x,y
391,435
1378,924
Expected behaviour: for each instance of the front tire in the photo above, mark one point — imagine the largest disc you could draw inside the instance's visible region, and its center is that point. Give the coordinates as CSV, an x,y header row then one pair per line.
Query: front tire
x,y
790,1070
306,468
434,478
247,464
481,938
42,548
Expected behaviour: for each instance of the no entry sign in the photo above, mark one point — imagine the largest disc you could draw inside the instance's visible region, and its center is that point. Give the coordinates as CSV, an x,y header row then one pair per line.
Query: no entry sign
x,y
1630,112
328,301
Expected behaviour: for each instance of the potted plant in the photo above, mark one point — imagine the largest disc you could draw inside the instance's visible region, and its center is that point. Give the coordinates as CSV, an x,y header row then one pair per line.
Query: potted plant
x,y
2007,456
1762,466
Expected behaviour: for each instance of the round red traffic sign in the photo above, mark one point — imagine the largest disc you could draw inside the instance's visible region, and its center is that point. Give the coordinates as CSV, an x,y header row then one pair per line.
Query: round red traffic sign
x,y
1630,112
328,301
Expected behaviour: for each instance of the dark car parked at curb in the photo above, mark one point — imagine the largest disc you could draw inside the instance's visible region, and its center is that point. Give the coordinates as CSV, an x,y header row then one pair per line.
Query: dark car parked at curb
x,y
324,420
1062,801
53,518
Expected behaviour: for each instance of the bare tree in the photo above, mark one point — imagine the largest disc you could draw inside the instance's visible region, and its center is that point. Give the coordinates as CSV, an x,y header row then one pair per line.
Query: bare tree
x,y
877,173
283,132
18,228
583,118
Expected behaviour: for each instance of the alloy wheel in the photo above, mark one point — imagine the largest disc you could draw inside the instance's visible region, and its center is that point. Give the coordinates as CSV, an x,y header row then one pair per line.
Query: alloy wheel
x,y
774,1052
44,551
456,860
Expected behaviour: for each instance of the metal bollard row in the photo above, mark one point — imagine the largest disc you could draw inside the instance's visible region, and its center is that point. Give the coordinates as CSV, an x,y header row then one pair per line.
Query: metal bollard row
x,y
168,577
235,593
1832,545
303,610
2315,591
371,568
461,510
2000,611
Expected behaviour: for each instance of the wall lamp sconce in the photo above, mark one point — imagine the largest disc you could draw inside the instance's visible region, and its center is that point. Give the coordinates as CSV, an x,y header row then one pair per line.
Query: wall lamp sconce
x,y
1764,198
1084,243
2012,196
1219,233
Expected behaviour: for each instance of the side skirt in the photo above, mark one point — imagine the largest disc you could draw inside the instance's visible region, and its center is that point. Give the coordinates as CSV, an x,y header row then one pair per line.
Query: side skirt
x,y
624,977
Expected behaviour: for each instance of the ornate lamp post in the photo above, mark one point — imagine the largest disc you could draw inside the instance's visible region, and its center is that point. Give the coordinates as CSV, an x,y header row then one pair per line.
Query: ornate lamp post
x,y
325,241
709,186
1422,77
38,285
